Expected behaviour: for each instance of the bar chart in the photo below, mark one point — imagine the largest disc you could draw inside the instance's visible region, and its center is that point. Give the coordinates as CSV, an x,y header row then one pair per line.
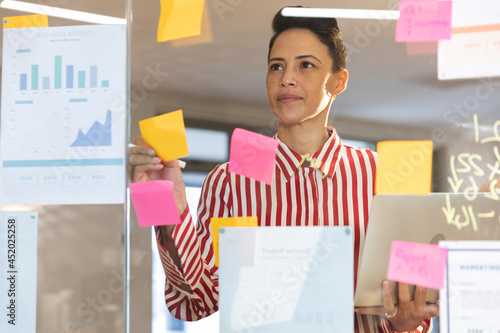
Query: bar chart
x,y
63,76
63,115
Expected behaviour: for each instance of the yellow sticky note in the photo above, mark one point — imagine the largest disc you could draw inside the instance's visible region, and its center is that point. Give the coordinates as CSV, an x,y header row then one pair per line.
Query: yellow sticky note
x,y
166,134
26,21
221,222
206,35
180,19
404,167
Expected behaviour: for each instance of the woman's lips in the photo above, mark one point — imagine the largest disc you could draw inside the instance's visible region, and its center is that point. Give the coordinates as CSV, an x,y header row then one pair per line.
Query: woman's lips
x,y
288,98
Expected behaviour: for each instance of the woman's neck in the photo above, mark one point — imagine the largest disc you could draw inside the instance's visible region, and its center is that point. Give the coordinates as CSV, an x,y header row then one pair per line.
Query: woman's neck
x,y
303,138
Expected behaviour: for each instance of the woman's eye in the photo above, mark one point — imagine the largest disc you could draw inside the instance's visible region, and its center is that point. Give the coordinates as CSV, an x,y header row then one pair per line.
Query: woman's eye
x,y
306,64
276,67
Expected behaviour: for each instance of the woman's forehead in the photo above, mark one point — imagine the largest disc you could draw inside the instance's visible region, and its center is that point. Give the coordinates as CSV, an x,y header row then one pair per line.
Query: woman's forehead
x,y
296,42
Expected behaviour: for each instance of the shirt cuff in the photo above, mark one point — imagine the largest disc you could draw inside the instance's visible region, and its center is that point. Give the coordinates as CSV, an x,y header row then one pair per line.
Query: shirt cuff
x,y
423,328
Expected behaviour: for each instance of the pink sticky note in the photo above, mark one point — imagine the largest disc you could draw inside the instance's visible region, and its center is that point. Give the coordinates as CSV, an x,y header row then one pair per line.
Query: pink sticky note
x,y
253,155
423,21
418,264
154,203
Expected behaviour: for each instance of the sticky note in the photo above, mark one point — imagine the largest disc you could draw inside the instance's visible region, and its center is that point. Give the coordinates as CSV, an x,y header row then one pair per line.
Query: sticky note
x,y
417,264
26,21
166,134
253,155
404,167
221,222
206,35
423,21
180,19
154,203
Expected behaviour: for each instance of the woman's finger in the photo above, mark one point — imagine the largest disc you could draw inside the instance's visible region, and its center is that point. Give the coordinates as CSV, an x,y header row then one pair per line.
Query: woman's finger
x,y
139,159
403,293
142,150
387,299
420,296
432,310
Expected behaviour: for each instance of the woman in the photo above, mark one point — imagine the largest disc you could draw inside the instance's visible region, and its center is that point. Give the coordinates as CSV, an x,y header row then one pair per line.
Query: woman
x,y
306,73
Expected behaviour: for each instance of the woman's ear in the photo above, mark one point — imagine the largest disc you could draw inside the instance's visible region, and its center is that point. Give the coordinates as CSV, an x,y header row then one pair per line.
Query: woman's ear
x,y
340,78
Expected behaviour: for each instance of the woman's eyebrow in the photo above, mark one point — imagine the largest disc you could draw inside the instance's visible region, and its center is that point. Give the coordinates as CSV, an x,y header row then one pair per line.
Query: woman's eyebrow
x,y
275,59
308,56
297,58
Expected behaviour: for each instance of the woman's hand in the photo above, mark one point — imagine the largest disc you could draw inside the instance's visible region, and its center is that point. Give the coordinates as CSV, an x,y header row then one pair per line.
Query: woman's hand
x,y
407,315
145,165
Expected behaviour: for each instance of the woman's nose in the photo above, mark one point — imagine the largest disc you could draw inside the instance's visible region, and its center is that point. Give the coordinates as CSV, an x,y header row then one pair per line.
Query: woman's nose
x,y
288,79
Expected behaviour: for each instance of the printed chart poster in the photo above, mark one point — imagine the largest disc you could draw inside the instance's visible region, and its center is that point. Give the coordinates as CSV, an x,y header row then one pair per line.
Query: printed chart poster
x,y
474,48
63,120
18,259
470,299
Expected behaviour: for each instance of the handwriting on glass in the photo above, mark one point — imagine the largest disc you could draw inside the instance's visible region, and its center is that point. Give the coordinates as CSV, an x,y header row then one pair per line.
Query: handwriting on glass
x,y
464,167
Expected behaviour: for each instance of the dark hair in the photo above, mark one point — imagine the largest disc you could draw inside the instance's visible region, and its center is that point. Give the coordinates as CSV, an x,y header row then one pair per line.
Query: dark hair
x,y
326,29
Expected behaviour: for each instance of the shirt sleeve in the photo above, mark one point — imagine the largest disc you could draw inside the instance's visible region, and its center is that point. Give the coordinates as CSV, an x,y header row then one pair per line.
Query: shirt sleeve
x,y
192,292
425,326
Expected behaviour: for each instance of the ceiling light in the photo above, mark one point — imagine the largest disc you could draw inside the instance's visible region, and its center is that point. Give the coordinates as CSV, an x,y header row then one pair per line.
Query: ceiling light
x,y
61,12
341,13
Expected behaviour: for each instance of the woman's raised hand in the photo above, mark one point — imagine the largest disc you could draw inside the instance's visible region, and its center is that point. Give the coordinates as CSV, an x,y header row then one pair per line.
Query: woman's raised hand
x,y
145,165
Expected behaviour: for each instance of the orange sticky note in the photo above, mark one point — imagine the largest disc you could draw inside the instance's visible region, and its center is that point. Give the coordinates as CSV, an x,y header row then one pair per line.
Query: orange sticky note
x,y
166,134
180,19
221,222
404,167
26,21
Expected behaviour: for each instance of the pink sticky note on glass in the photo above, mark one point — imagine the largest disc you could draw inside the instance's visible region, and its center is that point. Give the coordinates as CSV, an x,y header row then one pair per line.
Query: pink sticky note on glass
x,y
253,155
418,264
154,203
424,21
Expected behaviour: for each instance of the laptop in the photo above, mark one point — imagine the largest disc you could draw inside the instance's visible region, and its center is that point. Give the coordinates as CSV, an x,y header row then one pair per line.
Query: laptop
x,y
286,279
420,219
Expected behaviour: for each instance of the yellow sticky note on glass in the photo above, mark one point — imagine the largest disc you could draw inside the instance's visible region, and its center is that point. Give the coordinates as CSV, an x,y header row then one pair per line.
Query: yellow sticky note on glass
x,y
404,167
26,21
206,35
166,134
180,19
221,222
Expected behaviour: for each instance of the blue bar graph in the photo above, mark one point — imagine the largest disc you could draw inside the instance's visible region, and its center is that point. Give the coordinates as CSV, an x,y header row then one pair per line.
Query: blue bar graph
x,y
23,102
73,76
23,51
78,100
57,72
93,76
34,77
23,82
81,79
46,82
69,76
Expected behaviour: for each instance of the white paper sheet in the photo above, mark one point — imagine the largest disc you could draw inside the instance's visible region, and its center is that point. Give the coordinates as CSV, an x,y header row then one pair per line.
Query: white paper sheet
x,y
470,55
293,279
474,48
18,263
63,115
470,299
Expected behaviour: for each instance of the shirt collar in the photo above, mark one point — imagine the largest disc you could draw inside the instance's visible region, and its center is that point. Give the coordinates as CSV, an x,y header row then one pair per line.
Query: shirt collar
x,y
327,157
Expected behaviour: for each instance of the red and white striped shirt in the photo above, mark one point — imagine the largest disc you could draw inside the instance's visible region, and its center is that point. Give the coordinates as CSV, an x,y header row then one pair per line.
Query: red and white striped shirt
x,y
338,192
